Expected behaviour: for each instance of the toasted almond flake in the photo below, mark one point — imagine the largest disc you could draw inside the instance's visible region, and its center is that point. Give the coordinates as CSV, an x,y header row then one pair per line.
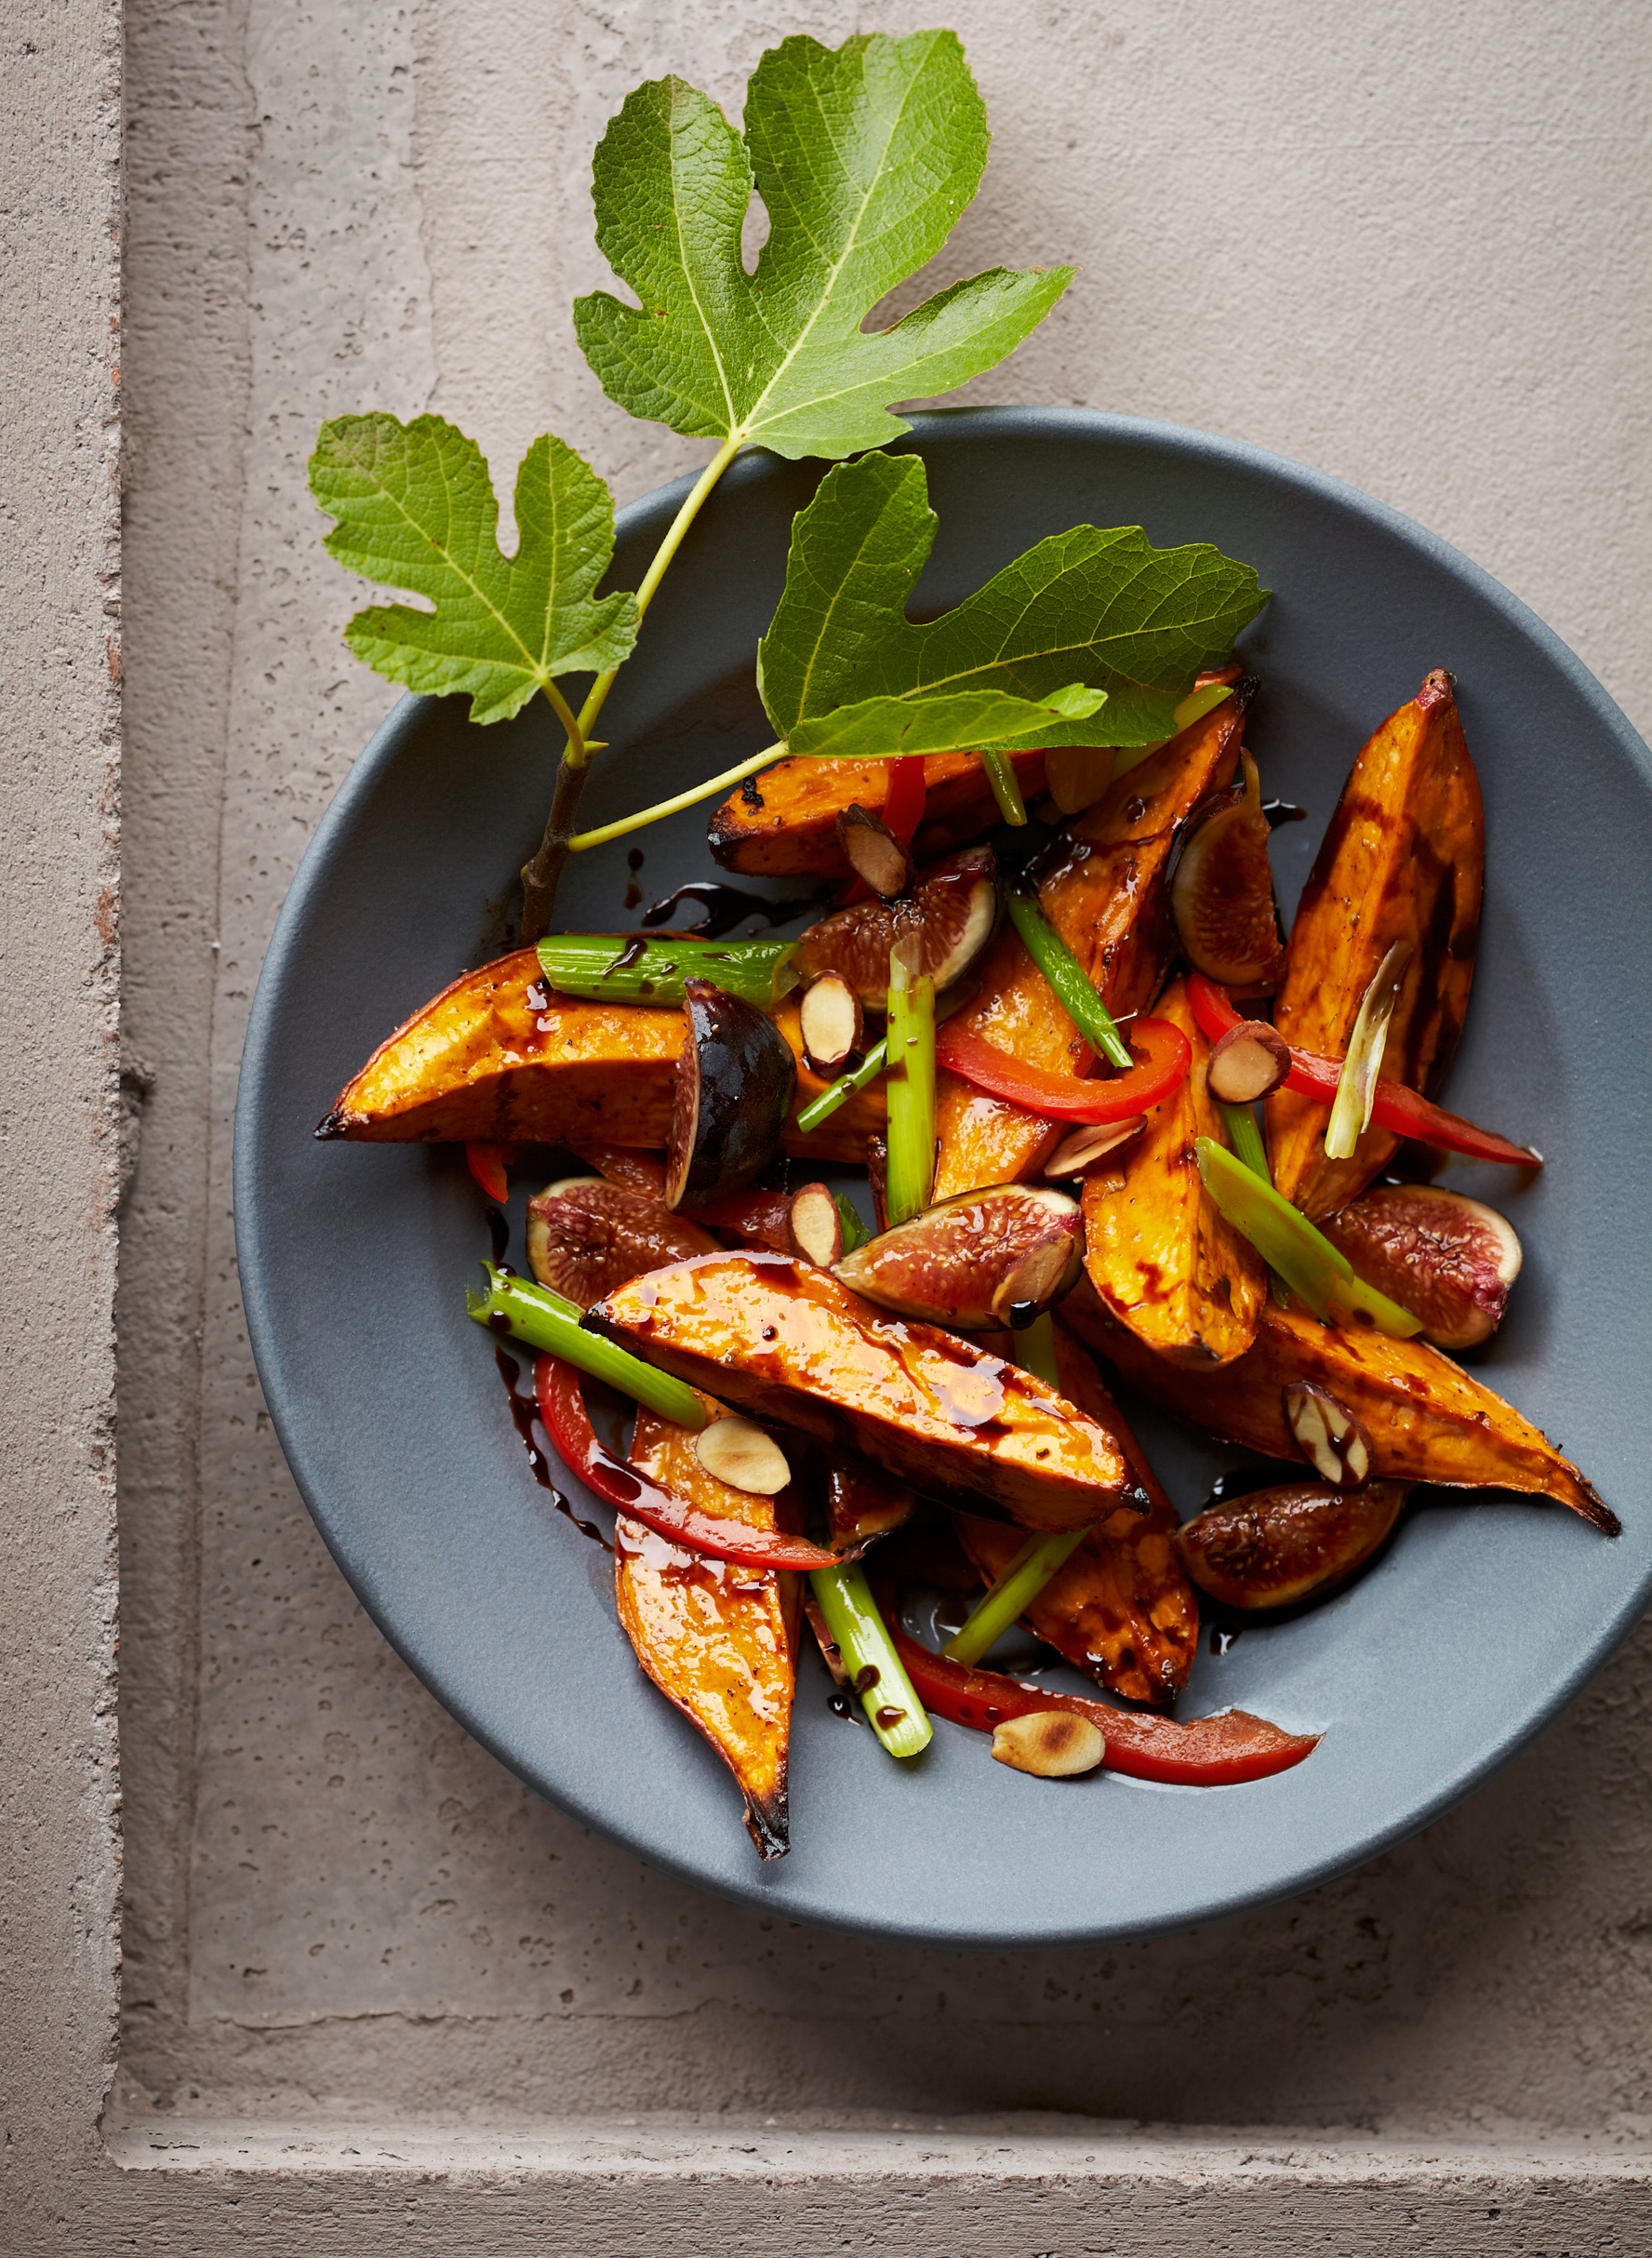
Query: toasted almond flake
x,y
1050,1743
739,1452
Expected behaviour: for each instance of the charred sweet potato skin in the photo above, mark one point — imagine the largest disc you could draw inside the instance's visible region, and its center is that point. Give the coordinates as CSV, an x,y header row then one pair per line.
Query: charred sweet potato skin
x,y
1403,860
785,822
788,1342
1427,1420
713,1638
1108,897
1121,1608
483,1061
1159,1251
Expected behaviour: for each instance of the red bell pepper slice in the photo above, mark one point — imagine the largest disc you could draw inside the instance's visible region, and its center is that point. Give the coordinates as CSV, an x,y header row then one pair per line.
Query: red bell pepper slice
x,y
904,802
1210,1752
1162,1057
1404,1112
568,1422
487,1164
904,799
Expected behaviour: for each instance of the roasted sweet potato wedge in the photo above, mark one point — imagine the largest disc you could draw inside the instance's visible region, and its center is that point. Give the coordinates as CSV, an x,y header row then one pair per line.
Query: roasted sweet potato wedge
x,y
1427,1420
714,1639
1108,897
1402,862
483,1060
784,822
1159,1251
791,1343
1121,1608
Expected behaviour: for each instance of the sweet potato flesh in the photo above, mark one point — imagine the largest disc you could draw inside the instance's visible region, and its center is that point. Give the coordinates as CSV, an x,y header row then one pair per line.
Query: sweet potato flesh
x,y
713,1638
1108,897
487,1060
790,1343
1402,862
1121,1608
1159,1251
785,822
1427,1420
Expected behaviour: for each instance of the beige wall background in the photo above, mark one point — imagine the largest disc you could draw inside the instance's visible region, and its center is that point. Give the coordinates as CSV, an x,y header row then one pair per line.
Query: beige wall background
x,y
368,1978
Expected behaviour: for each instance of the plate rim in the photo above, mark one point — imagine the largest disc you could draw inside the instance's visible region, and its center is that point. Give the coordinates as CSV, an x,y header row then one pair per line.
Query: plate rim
x,y
952,426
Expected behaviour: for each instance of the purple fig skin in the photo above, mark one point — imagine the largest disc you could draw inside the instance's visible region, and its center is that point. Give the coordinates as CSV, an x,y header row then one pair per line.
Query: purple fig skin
x,y
1449,1259
735,1079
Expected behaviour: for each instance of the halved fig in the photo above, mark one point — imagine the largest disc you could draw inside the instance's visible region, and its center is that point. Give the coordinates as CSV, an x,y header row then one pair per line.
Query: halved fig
x,y
873,851
586,1236
736,1075
1449,1259
951,910
986,1258
1222,894
1278,1546
816,1225
832,1022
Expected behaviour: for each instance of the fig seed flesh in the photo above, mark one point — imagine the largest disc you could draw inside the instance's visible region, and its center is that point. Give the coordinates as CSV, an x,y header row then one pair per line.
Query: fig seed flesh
x,y
970,1261
1449,1259
1222,894
587,1236
951,911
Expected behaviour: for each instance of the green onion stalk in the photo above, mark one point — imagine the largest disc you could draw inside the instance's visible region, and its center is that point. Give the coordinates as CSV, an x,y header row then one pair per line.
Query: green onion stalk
x,y
542,1319
1012,1593
835,1093
1194,707
873,1668
605,969
910,1046
1005,785
1035,1350
1247,1140
1074,991
1356,1085
1282,1235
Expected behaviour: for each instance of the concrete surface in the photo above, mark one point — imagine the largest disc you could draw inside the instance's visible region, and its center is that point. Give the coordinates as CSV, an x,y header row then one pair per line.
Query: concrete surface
x,y
1401,246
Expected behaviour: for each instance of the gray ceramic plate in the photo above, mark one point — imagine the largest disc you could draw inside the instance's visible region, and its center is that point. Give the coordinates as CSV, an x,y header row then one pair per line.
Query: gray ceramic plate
x,y
1468,1634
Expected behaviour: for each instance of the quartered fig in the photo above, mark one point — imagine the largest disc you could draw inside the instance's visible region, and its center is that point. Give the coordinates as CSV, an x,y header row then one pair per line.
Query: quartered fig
x,y
831,1024
951,910
1222,894
619,1163
1050,1743
586,1236
985,1258
1278,1546
873,851
734,1079
1327,1433
1248,1062
1449,1259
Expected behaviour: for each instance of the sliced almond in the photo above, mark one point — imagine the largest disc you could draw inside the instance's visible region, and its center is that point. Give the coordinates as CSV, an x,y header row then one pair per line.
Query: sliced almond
x,y
741,1454
833,1024
873,851
1327,1435
816,1227
1074,1154
1250,1061
1051,1743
